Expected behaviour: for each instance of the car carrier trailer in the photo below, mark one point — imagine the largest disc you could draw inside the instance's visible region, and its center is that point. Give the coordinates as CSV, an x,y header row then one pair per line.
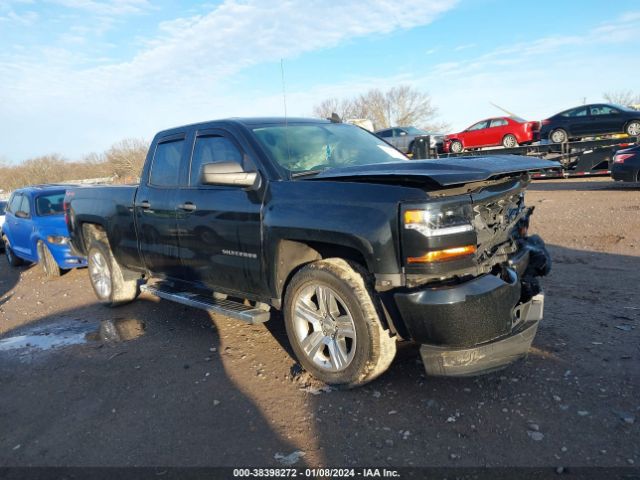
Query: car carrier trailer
x,y
582,158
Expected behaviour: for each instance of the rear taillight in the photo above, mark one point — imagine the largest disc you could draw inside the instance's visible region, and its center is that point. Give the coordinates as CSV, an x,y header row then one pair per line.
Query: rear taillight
x,y
621,157
546,122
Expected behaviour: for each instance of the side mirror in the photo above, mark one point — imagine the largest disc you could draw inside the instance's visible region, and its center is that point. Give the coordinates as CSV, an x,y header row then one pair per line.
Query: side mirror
x,y
21,214
227,173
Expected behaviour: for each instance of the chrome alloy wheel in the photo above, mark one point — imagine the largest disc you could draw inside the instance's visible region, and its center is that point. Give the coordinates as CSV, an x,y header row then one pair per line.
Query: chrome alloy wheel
x,y
510,141
100,274
634,129
324,328
558,136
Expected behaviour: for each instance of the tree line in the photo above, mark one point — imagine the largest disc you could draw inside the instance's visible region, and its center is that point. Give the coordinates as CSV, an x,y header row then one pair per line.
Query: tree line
x,y
122,163
399,106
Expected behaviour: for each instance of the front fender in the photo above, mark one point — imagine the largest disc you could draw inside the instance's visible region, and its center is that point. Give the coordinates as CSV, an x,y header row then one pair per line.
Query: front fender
x,y
359,216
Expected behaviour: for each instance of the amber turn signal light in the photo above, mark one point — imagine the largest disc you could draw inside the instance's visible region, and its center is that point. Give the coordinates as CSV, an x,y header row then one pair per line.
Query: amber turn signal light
x,y
446,254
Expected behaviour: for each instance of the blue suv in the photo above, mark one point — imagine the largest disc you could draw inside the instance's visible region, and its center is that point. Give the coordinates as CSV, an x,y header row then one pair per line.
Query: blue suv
x,y
35,230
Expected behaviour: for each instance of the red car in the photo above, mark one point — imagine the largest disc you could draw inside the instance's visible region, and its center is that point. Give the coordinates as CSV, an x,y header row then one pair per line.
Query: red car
x,y
506,131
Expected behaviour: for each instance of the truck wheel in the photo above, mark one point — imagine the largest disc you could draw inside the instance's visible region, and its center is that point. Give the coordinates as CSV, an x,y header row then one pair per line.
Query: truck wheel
x,y
11,257
456,146
558,136
333,324
509,141
49,265
633,128
110,285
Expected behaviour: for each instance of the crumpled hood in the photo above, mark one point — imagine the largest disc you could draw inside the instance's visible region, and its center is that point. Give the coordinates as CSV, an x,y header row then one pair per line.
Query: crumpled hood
x,y
444,171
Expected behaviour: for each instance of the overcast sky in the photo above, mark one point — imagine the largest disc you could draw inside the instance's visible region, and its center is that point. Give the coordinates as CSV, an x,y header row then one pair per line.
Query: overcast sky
x,y
78,75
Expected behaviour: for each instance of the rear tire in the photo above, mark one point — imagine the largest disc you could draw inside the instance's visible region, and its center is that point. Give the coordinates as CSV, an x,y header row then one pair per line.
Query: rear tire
x,y
633,128
558,136
509,141
333,322
456,146
50,267
11,256
109,283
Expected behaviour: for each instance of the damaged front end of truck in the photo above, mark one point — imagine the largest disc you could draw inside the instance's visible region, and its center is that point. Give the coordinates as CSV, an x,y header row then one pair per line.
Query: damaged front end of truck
x,y
472,297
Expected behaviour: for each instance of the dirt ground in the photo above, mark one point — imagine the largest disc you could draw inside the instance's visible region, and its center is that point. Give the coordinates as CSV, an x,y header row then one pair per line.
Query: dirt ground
x,y
197,390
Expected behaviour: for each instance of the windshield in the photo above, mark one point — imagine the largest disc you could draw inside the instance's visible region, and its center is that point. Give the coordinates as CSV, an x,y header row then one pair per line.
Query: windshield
x,y
314,148
626,108
50,204
415,131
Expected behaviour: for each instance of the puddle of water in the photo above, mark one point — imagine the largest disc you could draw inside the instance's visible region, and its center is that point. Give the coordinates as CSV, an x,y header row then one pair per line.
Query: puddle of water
x,y
73,332
121,329
40,342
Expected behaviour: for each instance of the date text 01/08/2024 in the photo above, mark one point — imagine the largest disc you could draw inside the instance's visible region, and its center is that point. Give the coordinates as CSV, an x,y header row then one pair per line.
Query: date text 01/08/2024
x,y
314,473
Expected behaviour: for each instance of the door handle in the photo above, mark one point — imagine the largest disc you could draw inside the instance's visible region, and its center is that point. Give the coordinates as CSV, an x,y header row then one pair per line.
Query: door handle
x,y
144,204
187,206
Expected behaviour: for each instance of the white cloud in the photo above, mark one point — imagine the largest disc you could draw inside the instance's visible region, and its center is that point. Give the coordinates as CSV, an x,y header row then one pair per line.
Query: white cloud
x,y
106,8
536,78
183,74
464,47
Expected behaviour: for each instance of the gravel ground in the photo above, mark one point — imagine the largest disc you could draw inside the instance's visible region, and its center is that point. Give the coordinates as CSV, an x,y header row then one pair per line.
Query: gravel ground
x,y
190,389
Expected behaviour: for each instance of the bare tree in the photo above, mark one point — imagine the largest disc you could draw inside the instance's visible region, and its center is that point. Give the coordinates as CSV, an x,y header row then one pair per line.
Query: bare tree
x,y
402,105
622,97
344,108
126,158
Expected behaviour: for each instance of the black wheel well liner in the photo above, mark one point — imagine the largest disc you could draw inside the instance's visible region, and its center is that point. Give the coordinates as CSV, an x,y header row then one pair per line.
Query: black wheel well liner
x,y
292,255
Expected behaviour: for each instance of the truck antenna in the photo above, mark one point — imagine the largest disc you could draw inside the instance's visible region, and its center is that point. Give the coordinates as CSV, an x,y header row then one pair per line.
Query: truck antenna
x,y
284,101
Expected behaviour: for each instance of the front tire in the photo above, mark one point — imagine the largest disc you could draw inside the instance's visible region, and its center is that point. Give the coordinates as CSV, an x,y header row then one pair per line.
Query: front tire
x,y
456,146
49,265
332,318
559,136
109,284
12,259
633,128
509,141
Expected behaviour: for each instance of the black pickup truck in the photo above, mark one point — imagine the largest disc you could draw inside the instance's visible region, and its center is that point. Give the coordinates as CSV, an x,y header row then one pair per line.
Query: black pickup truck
x,y
357,245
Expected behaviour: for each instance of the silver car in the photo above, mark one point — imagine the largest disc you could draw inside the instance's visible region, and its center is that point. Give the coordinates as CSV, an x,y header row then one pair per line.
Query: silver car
x,y
403,137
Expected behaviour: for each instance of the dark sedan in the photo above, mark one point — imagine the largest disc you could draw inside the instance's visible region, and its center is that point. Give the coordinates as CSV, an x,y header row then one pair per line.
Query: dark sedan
x,y
626,165
589,121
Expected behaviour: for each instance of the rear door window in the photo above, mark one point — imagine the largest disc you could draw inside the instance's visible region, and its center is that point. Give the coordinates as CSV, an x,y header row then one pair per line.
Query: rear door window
x,y
576,112
603,110
165,168
498,122
25,205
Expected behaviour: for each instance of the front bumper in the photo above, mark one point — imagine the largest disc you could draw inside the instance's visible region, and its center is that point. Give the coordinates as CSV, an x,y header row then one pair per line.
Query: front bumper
x,y
460,362
481,324
64,257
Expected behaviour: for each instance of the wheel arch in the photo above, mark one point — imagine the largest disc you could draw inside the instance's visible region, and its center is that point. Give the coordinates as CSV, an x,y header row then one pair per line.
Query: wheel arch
x,y
292,255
